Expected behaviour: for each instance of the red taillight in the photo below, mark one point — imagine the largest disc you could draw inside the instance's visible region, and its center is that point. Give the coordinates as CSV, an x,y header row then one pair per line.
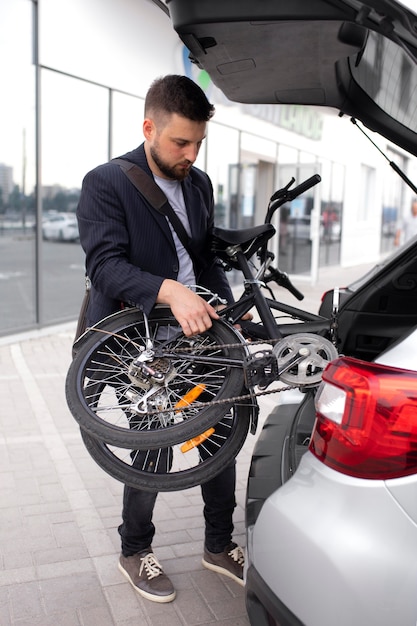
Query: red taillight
x,y
333,294
366,422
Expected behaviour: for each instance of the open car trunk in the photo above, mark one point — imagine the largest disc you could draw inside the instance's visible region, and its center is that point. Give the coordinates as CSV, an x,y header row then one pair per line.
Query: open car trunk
x,y
379,309
355,56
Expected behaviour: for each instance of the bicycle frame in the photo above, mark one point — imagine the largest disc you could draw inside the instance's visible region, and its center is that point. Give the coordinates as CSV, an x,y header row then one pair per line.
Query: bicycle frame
x,y
235,248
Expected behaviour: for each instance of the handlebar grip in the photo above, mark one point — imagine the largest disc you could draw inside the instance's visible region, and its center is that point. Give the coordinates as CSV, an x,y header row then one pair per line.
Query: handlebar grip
x,y
302,187
297,294
282,279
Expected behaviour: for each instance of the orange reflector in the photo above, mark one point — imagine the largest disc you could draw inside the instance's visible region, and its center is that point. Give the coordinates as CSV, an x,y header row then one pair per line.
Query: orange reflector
x,y
190,396
195,441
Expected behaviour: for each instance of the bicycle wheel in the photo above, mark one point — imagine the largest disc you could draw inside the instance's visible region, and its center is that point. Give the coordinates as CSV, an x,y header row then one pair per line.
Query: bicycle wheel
x,y
182,466
116,401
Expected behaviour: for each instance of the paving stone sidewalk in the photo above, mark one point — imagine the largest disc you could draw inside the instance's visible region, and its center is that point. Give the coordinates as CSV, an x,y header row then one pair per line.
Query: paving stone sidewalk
x,y
59,514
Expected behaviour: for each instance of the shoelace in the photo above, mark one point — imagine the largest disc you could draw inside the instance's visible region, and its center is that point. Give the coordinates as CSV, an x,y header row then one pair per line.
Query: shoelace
x,y
151,566
237,555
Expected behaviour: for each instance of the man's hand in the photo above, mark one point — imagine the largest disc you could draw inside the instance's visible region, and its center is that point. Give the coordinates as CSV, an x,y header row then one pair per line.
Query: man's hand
x,y
192,312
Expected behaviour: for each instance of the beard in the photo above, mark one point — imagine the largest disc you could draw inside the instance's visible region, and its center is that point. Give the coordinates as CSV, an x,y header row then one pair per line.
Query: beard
x,y
175,172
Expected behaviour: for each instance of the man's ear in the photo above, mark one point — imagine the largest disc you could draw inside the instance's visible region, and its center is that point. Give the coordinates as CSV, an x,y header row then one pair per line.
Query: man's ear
x,y
148,128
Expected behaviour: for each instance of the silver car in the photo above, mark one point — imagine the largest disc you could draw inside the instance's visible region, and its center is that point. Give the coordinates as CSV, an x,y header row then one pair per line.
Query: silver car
x,y
331,508
336,544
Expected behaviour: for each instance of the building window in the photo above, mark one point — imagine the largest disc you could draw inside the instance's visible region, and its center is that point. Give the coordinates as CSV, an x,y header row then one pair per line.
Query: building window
x,y
366,199
75,134
18,307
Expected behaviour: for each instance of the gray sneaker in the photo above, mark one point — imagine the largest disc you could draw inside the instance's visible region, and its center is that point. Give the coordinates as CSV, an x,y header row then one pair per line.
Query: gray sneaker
x,y
145,573
230,562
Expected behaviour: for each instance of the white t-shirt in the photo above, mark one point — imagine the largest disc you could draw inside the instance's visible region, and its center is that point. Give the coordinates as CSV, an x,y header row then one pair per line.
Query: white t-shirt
x,y
173,191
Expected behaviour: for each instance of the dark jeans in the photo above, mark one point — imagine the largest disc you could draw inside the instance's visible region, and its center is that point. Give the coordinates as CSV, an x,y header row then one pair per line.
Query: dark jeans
x,y
137,529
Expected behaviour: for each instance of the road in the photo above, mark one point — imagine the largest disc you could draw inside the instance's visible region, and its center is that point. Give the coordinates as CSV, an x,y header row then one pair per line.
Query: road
x,y
61,280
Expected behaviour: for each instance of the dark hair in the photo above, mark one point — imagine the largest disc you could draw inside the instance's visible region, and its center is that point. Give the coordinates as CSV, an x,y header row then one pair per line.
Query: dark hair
x,y
178,94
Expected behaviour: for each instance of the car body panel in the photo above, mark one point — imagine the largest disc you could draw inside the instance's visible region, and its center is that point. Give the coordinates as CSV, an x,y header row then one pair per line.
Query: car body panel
x,y
402,353
324,543
349,539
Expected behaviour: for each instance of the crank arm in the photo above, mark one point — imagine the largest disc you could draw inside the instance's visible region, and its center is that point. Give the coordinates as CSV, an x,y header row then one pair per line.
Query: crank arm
x,y
288,362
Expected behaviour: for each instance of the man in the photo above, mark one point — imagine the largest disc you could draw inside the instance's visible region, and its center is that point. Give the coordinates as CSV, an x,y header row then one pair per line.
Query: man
x,y
408,226
134,256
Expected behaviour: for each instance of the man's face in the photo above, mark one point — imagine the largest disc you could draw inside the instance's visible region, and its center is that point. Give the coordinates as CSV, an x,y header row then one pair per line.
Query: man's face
x,y
173,145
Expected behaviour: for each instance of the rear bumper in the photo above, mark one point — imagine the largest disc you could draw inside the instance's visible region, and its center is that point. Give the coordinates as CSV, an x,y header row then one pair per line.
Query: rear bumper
x,y
263,606
326,531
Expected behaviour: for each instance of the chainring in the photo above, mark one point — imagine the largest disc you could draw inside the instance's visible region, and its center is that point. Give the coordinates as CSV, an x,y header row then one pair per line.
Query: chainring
x,y
302,358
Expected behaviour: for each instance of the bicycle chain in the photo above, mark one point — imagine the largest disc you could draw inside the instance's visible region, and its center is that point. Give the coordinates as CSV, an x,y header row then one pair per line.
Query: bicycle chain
x,y
233,400
248,396
190,349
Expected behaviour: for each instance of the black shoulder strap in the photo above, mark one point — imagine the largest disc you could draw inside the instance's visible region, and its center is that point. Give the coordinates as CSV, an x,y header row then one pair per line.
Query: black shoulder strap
x,y
155,196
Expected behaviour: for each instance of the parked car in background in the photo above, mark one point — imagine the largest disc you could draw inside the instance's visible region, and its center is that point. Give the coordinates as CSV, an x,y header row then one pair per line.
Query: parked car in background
x,y
331,502
60,227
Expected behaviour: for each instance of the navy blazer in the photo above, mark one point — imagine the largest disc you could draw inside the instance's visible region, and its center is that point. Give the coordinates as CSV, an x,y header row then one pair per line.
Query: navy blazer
x,y
128,244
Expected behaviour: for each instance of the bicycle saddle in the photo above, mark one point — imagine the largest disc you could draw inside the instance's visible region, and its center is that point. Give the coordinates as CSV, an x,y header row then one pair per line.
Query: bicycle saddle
x,y
249,240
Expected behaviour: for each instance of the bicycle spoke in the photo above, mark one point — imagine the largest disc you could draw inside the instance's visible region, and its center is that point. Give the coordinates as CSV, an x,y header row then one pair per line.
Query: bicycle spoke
x,y
180,466
124,393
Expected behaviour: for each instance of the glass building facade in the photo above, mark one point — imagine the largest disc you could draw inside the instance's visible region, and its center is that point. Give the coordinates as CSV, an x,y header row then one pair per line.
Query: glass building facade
x,y
74,74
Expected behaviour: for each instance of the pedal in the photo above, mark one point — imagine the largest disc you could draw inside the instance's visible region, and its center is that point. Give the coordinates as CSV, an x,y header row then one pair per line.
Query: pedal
x,y
260,368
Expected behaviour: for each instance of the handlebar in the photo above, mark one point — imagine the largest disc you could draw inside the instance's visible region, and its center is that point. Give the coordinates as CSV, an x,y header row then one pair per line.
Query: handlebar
x,y
281,192
287,195
305,186
278,199
282,279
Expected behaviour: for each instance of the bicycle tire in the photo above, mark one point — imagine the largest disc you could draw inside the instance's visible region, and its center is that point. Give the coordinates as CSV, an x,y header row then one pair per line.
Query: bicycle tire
x,y
220,449
282,442
98,382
